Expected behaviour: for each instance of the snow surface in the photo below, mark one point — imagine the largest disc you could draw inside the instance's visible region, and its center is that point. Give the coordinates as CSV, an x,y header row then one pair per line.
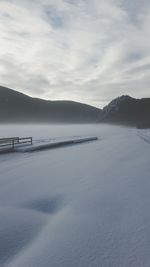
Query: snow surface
x,y
43,144
86,205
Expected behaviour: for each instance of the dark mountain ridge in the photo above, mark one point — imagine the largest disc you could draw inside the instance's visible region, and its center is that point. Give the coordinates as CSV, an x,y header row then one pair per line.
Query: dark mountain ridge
x,y
16,107
128,111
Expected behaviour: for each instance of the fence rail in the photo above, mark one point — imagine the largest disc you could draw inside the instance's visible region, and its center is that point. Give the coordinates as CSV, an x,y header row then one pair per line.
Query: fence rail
x,y
11,142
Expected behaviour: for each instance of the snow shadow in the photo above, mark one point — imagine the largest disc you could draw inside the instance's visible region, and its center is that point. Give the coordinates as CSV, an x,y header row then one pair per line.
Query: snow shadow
x,y
17,229
48,205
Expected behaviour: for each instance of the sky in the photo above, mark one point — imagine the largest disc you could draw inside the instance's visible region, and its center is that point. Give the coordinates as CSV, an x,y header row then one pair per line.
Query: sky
x,y
89,51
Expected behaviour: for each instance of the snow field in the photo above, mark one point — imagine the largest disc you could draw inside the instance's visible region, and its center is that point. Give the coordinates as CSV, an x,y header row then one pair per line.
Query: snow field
x,y
85,205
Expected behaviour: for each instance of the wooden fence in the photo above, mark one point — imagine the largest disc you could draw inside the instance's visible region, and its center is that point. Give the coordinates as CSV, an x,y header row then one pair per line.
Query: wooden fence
x,y
11,142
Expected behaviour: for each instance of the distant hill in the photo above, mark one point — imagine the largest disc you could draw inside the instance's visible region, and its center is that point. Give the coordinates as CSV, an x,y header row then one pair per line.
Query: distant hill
x,y
16,107
128,111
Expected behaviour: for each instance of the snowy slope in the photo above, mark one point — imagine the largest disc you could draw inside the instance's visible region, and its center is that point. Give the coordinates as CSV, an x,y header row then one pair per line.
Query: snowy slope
x,y
85,205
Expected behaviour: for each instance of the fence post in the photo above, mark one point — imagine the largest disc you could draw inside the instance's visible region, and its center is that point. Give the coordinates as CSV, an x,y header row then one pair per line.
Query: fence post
x,y
13,143
31,140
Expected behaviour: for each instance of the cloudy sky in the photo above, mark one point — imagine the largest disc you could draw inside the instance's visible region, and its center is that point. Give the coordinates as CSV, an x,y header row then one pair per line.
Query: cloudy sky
x,y
84,50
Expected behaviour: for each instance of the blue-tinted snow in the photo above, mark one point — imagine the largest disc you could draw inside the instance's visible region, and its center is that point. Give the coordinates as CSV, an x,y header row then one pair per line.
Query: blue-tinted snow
x,y
85,205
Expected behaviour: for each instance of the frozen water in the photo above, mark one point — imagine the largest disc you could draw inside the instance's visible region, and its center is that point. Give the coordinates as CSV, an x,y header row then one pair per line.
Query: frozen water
x,y
85,205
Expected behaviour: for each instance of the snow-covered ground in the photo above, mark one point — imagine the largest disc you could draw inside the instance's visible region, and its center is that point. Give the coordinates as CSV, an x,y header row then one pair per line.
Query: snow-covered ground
x,y
42,144
86,205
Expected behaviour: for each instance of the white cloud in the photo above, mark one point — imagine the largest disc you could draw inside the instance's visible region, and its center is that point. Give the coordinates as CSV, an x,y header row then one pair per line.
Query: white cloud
x,y
89,51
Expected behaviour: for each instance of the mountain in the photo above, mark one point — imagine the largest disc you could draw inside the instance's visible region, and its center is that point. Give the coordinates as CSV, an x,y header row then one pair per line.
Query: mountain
x,y
17,107
128,111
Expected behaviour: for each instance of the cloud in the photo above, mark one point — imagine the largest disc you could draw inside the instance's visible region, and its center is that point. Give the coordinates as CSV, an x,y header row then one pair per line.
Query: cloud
x,y
89,51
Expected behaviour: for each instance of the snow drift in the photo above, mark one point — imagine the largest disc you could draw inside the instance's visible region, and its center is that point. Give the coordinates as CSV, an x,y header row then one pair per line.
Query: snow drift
x,y
85,205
